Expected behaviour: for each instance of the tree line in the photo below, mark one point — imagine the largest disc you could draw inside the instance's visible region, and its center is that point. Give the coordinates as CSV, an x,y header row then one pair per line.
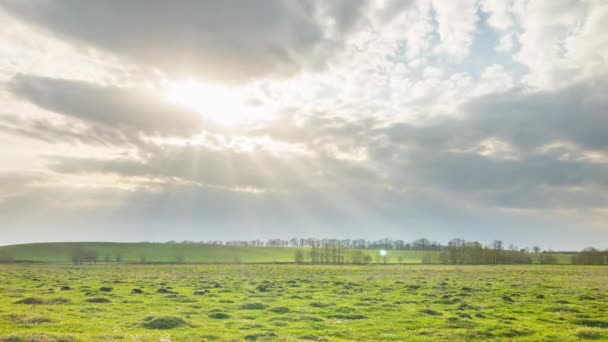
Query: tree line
x,y
361,251
353,251
456,251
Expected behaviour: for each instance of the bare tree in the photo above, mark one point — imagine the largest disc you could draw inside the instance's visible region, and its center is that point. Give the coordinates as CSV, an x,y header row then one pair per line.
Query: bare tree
x,y
299,257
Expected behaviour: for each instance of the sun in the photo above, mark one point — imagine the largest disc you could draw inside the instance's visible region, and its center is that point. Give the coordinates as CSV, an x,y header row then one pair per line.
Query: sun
x,y
221,104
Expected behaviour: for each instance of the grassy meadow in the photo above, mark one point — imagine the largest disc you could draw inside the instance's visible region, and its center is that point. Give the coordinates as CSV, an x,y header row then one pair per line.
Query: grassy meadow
x,y
59,252
130,302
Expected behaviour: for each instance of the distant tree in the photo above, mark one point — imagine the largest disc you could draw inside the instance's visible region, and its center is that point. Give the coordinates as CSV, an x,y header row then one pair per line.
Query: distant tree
x,y
118,258
589,256
497,245
357,257
91,255
536,249
299,257
76,254
427,258
548,259
80,255
444,258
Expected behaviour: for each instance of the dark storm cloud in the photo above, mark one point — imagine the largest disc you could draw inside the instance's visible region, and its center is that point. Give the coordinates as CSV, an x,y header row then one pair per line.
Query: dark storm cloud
x,y
111,106
225,40
574,114
444,153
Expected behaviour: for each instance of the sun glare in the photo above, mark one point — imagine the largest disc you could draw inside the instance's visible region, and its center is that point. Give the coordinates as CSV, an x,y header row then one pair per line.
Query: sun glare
x,y
218,103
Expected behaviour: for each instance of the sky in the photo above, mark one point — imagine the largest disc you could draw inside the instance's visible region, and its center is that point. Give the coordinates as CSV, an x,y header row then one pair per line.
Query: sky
x,y
201,120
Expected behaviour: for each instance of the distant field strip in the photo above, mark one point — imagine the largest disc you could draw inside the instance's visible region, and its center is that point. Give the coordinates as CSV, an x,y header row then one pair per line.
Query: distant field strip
x,y
60,252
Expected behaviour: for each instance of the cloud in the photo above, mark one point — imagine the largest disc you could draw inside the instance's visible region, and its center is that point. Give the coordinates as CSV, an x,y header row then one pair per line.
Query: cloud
x,y
226,40
129,109
514,142
417,126
561,41
53,132
456,21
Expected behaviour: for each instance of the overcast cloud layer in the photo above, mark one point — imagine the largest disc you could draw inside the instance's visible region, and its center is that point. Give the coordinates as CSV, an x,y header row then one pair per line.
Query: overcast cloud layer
x,y
475,119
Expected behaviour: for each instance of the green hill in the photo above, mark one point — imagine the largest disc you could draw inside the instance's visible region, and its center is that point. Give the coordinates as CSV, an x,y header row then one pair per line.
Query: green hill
x,y
61,252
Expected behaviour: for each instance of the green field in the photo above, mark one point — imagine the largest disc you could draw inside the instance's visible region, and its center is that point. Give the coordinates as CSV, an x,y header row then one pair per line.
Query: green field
x,y
43,302
59,252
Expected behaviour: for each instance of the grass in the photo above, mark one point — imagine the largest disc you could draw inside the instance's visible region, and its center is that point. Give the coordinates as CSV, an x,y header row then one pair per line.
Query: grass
x,y
302,303
59,252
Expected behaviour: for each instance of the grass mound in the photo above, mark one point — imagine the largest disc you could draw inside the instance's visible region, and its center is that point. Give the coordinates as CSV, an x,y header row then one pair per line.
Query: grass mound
x,y
280,310
431,312
98,300
256,336
219,315
31,301
589,334
163,323
348,317
253,306
594,323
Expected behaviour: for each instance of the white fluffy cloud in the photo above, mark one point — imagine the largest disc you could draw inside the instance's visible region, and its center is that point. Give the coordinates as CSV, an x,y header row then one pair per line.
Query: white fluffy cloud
x,y
456,21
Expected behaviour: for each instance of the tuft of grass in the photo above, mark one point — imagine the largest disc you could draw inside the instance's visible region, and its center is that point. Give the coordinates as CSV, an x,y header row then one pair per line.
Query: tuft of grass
x,y
219,315
348,316
589,334
594,323
163,322
507,299
280,309
256,336
98,300
253,306
31,301
431,312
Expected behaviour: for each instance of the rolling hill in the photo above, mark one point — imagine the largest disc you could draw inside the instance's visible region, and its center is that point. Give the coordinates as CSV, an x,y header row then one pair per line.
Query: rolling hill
x,y
61,252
